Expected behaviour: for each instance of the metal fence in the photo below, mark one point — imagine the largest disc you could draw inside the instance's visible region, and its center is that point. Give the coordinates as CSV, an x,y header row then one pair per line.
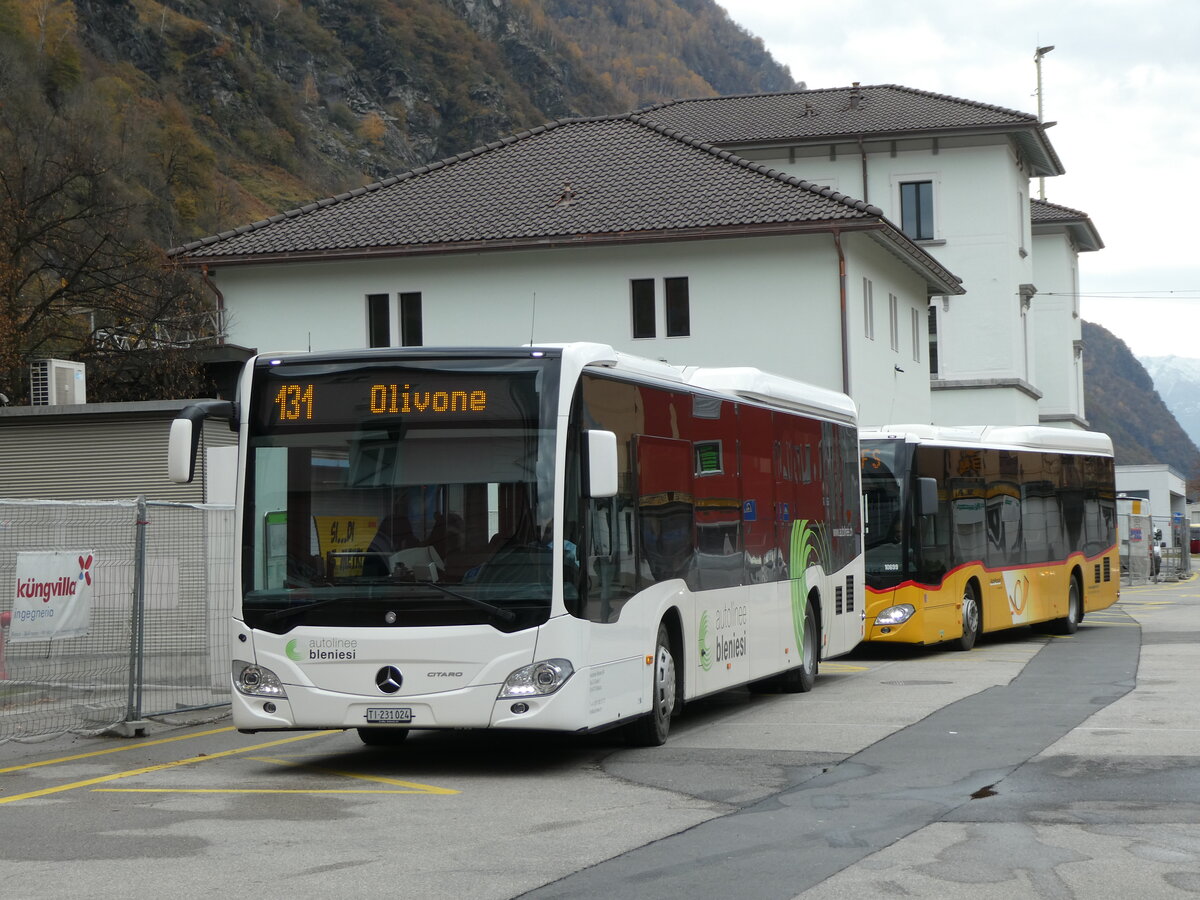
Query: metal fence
x,y
1153,549
155,637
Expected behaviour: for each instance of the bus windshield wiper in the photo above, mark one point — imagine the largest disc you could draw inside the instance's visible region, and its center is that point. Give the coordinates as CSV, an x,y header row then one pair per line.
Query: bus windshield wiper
x,y
499,612
505,615
288,611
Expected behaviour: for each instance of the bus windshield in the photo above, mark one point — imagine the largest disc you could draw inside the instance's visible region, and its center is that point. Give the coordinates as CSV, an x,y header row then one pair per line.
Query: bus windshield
x,y
885,467
399,493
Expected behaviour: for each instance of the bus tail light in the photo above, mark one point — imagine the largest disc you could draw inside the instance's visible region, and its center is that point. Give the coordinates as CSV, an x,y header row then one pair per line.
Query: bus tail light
x,y
256,681
541,678
895,615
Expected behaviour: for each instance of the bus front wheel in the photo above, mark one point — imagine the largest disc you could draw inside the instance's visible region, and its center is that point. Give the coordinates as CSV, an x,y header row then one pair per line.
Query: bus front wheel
x,y
972,619
651,730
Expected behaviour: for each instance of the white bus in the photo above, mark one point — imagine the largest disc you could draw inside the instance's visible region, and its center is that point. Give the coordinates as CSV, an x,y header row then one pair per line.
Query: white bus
x,y
559,537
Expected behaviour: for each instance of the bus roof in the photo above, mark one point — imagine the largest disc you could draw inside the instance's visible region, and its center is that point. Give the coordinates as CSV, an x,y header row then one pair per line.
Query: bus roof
x,y
737,382
775,390
1000,437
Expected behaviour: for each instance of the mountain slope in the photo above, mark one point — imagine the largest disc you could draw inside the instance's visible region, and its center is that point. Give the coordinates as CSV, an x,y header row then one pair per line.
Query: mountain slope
x,y
254,107
1121,401
1177,380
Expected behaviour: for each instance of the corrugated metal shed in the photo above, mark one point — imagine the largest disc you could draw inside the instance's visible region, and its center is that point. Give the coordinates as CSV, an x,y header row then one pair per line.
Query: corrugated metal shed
x,y
96,451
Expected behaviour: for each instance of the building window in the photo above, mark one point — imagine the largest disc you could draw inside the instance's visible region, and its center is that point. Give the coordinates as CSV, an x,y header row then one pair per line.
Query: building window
x,y
916,209
379,320
868,309
933,341
642,291
916,334
678,314
894,320
411,329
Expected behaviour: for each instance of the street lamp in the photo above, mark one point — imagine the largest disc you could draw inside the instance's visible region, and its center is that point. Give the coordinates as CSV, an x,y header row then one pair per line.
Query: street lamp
x,y
1037,61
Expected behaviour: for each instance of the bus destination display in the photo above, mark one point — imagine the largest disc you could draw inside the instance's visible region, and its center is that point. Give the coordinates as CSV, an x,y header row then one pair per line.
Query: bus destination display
x,y
410,396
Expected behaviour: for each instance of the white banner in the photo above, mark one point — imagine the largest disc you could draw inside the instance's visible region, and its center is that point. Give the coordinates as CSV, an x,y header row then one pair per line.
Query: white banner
x,y
54,595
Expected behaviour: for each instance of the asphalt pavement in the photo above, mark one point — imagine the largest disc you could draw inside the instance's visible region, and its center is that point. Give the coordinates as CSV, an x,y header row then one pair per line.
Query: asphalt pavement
x,y
1032,766
1078,778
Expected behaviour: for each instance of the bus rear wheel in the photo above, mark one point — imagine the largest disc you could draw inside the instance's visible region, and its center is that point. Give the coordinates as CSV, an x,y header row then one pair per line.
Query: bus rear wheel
x,y
800,680
651,730
972,619
1069,623
383,737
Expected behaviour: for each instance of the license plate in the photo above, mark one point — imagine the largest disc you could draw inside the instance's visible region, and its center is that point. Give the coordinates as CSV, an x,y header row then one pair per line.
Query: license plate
x,y
389,714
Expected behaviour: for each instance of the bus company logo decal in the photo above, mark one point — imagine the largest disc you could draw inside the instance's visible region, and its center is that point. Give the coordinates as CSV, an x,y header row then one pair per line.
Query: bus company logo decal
x,y
1016,585
723,637
706,657
322,650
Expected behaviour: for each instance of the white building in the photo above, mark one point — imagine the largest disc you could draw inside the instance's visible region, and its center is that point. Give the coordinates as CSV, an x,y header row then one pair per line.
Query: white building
x,y
1165,490
1060,234
611,230
955,175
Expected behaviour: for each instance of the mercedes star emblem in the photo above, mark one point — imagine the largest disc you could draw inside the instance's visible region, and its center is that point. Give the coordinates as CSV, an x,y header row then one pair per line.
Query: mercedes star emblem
x,y
388,679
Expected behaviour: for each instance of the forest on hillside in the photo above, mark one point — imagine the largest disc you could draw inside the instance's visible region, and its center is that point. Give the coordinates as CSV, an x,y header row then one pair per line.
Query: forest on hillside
x,y
132,126
1122,402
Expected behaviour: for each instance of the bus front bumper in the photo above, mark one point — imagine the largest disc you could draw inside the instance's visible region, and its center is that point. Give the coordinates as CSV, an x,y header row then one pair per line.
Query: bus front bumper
x,y
306,707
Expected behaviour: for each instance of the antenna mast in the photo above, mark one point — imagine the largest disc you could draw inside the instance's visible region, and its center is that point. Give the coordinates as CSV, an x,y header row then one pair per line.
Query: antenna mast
x,y
1037,61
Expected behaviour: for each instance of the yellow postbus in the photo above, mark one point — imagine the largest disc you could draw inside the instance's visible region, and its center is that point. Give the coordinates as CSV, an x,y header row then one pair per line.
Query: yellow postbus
x,y
972,529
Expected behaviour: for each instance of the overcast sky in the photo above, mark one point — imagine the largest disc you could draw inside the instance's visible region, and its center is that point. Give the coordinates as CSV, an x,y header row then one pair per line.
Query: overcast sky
x,y
1123,84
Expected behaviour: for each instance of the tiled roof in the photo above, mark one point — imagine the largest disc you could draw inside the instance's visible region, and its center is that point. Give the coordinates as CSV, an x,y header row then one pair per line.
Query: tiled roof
x,y
870,111
1045,211
566,180
1044,215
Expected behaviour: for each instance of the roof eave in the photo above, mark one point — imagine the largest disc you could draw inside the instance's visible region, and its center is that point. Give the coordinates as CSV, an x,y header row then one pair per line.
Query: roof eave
x,y
1031,138
770,229
1083,232
939,280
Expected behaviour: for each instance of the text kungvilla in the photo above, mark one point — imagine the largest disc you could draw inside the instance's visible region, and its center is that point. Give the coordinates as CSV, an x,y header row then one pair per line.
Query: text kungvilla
x,y
32,589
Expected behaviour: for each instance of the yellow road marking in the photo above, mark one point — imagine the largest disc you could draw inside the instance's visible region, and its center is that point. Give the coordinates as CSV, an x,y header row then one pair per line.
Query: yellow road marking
x,y
161,766
263,791
842,667
121,749
380,779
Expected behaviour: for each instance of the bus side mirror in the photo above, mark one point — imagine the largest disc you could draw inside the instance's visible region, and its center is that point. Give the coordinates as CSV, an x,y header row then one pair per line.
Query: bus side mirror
x,y
927,496
184,440
601,464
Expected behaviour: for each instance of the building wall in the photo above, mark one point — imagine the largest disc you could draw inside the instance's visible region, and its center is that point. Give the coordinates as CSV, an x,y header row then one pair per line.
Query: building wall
x,y
773,303
110,451
889,375
982,234
985,404
1160,484
1056,313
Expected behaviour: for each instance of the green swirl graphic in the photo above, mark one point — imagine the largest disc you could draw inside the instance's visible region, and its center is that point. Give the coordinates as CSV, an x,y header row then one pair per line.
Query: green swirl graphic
x,y
705,651
810,546
292,653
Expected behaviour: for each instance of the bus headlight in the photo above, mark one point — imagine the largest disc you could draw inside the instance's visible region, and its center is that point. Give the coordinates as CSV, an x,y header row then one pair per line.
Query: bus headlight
x,y
256,681
541,678
895,615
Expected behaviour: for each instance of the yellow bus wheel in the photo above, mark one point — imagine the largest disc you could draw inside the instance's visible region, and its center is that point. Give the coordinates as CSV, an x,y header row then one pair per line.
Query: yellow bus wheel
x,y
972,618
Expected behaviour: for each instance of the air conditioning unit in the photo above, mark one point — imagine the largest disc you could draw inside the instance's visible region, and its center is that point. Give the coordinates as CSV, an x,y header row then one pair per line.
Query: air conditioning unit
x,y
57,382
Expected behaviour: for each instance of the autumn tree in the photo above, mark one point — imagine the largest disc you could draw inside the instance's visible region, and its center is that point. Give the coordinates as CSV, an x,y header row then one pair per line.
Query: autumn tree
x,y
78,278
